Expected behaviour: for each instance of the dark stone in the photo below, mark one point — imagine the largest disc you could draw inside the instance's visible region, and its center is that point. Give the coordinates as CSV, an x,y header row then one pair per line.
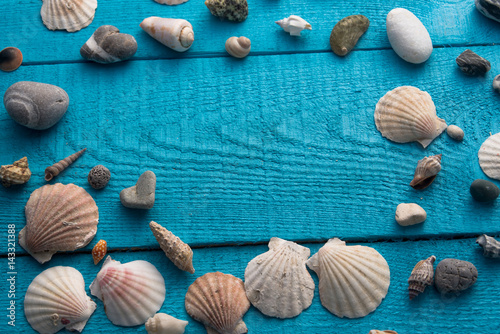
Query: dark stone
x,y
108,45
99,177
472,64
484,191
489,8
454,275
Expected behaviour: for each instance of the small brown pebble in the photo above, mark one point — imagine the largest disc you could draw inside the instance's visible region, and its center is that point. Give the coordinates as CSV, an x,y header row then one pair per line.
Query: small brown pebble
x,y
99,177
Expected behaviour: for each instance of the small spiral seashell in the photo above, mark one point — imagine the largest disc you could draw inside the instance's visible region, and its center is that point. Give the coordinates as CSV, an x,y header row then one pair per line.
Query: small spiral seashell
x,y
17,173
294,25
99,251
490,246
347,32
238,47
421,276
10,59
58,167
426,171
163,323
177,251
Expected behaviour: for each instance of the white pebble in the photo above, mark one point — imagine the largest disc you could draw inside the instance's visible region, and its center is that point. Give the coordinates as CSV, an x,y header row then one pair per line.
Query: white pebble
x,y
455,132
410,214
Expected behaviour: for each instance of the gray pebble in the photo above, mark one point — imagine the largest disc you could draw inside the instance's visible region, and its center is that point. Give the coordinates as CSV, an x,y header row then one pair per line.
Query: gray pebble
x,y
484,190
455,132
108,45
142,195
496,83
99,177
489,8
472,64
35,105
454,275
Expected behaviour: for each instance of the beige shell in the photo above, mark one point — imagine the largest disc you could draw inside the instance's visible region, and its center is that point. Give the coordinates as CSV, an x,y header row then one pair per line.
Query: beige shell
x,y
353,280
171,2
177,251
69,15
17,173
347,32
294,25
238,47
58,167
406,114
421,276
277,282
59,218
176,34
163,323
219,302
426,171
489,156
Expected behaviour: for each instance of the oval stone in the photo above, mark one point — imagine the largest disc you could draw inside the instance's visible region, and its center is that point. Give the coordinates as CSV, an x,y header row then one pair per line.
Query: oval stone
x,y
454,275
484,191
410,214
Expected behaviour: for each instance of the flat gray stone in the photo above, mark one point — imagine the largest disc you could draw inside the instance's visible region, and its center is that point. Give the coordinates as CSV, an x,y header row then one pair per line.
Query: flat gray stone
x,y
142,195
454,275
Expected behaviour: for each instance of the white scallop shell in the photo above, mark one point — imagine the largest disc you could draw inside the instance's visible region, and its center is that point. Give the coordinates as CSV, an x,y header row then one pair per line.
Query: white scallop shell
x,y
69,15
353,280
131,292
277,282
171,2
163,323
489,156
406,114
56,299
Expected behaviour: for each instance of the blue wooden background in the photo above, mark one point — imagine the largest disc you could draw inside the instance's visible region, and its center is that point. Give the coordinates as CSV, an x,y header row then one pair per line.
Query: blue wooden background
x,y
282,143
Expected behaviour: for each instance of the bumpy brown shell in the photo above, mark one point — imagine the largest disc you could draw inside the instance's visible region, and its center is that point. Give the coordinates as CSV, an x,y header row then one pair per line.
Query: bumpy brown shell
x,y
426,171
347,32
17,173
421,276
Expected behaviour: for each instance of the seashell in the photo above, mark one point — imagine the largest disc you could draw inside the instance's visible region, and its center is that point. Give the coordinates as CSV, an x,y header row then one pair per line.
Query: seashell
x,y
176,34
232,10
375,331
171,2
484,191
59,218
177,251
163,323
58,167
294,25
406,114
107,45
99,251
410,214
472,64
277,282
421,276
426,171
347,32
455,132
489,156
131,292
10,59
69,15
353,280
219,302
17,173
491,247
238,47
56,299
489,8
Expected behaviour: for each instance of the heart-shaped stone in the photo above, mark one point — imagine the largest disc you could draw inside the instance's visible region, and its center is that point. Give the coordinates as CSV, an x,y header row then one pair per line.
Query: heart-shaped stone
x,y
142,195
107,45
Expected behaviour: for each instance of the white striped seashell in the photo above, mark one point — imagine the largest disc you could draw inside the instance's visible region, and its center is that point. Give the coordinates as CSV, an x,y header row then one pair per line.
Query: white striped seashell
x,y
59,218
171,2
489,156
277,282
353,280
406,114
176,34
238,47
69,15
56,299
163,323
131,292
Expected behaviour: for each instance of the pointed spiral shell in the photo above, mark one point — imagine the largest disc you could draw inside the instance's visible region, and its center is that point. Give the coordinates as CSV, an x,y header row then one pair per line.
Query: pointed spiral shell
x,y
238,47
426,171
58,167
421,276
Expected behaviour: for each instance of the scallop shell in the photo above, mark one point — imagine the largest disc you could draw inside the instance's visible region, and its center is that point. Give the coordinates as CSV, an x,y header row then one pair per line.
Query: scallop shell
x,y
294,25
131,292
238,47
347,32
69,15
426,171
489,156
59,218
58,167
491,247
421,276
277,282
353,280
163,323
56,299
407,114
219,302
171,2
17,173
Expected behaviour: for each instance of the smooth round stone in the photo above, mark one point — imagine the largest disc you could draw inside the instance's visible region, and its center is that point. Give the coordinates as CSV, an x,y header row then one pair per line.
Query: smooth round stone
x,y
99,177
454,275
142,195
410,214
107,45
484,191
496,83
455,132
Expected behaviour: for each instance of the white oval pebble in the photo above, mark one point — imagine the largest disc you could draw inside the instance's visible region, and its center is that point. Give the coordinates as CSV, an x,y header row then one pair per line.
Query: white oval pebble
x,y
410,214
408,36
455,132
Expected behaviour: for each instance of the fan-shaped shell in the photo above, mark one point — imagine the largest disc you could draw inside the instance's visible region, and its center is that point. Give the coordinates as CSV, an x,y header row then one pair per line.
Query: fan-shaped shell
x,y
131,292
56,299
17,173
406,114
69,15
59,218
426,171
489,156
219,302
421,276
347,32
277,282
353,280
163,323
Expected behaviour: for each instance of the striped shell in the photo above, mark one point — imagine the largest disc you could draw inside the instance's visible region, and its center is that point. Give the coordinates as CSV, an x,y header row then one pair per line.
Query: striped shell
x,y
69,15
421,276
59,218
353,280
238,47
426,171
17,173
489,156
347,32
491,246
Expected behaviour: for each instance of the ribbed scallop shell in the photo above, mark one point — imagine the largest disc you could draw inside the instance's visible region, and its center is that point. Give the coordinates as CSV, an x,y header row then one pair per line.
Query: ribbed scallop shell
x,y
56,299
353,280
426,171
219,302
406,114
421,276
277,282
59,218
69,15
489,156
163,323
131,292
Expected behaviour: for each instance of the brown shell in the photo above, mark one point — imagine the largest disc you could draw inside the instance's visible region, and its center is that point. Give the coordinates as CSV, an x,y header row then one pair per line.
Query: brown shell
x,y
421,276
426,171
58,167
17,173
347,32
10,59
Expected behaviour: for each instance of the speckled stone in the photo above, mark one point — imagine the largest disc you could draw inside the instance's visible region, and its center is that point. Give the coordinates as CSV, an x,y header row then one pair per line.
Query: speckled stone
x,y
472,64
454,275
142,195
232,10
108,45
99,177
496,83
484,191
455,132
410,214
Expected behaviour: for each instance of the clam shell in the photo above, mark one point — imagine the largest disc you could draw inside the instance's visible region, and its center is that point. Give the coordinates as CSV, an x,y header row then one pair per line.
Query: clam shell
x,y
353,280
489,156
59,218
238,47
163,323
219,302
426,171
69,15
491,247
277,282
56,299
347,32
17,173
421,276
131,292
406,114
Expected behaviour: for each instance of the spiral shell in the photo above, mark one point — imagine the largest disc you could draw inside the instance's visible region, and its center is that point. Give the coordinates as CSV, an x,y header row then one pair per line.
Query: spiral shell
x,y
426,171
69,15
491,247
17,173
294,25
421,276
238,47
58,167
10,59
347,32
176,34
163,323
489,156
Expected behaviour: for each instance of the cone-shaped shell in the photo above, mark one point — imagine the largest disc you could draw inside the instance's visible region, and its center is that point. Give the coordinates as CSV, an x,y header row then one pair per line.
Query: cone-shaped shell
x,y
277,282
69,15
294,25
353,280
59,218
426,171
17,173
219,302
421,276
131,292
56,299
238,47
58,167
177,34
163,323
407,114
491,247
347,32
489,156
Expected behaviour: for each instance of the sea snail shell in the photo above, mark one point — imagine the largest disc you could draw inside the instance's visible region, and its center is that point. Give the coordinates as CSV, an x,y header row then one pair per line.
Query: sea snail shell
x,y
238,47
177,34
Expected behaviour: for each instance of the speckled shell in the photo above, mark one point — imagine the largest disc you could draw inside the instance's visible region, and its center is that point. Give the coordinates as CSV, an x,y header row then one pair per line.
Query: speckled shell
x,y
294,25
491,247
489,156
353,280
17,173
177,34
347,32
56,299
171,2
421,276
406,114
219,302
163,323
232,10
59,218
58,167
426,171
69,15
238,47
277,282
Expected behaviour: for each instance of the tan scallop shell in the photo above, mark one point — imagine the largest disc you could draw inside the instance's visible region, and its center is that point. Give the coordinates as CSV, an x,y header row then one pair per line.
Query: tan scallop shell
x,y
426,171
489,156
17,173
421,276
353,280
219,302
59,218
406,114
277,282
69,15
